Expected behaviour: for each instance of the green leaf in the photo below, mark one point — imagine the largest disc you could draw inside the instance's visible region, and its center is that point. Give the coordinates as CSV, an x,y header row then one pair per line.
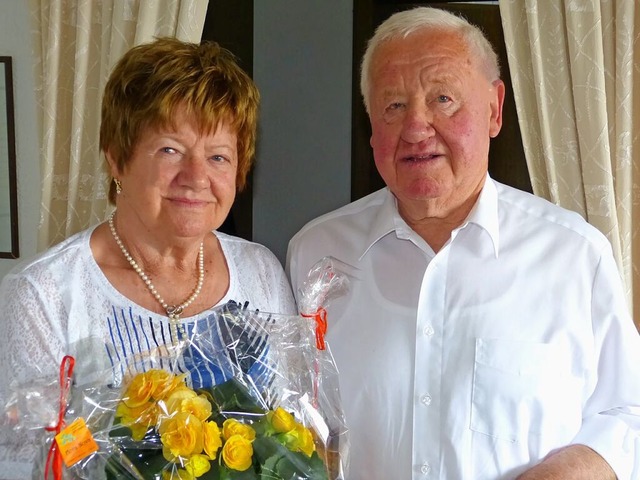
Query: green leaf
x,y
269,469
122,431
119,430
318,470
115,470
281,463
232,396
249,474
217,472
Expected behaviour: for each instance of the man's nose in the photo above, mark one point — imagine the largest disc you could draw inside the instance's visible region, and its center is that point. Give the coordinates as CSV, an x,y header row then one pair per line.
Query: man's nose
x,y
417,125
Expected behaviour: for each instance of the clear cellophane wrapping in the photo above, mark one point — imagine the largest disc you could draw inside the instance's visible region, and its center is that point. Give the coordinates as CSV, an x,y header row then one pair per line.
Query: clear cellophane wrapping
x,y
148,413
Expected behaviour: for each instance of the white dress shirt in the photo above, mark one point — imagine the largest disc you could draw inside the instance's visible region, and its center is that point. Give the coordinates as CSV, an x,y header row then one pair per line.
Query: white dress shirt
x,y
474,363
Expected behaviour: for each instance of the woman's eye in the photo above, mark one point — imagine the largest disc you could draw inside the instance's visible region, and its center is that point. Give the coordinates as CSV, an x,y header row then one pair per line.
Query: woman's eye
x,y
218,158
168,150
443,99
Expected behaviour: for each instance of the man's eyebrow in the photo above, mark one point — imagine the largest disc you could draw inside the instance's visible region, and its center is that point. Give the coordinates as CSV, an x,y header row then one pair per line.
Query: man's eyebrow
x,y
442,79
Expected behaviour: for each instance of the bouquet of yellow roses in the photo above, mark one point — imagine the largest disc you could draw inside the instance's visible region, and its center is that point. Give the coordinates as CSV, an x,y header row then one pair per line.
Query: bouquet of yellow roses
x,y
201,438
244,395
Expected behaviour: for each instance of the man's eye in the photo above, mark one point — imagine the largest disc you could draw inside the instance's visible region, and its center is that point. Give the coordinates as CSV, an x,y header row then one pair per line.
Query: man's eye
x,y
443,99
395,106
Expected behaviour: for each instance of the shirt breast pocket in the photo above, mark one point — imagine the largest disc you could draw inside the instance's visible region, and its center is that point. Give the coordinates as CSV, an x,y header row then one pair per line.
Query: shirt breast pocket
x,y
522,389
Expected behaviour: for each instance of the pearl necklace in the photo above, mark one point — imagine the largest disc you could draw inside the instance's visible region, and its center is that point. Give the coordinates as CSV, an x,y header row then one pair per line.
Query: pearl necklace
x,y
173,311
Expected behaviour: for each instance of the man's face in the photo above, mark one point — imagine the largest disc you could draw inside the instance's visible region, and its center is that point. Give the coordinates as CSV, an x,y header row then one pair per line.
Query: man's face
x,y
432,113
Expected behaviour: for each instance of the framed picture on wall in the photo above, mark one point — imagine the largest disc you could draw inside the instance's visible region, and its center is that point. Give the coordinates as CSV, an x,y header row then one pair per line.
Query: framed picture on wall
x,y
8,188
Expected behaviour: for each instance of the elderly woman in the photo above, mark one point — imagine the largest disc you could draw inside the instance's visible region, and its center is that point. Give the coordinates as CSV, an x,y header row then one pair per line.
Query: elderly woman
x,y
178,133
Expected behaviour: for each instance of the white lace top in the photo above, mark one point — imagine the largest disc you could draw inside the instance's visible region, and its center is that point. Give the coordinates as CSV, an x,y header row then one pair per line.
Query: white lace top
x,y
60,303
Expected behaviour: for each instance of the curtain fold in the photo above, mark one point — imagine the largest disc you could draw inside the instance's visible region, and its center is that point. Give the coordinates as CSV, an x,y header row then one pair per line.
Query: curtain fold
x,y
76,43
574,75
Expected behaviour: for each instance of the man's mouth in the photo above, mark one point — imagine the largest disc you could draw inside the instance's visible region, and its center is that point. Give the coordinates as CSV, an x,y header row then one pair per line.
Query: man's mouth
x,y
421,158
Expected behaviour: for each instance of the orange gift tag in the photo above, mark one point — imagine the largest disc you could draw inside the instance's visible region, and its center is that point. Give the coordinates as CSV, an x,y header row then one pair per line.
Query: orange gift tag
x,y
76,442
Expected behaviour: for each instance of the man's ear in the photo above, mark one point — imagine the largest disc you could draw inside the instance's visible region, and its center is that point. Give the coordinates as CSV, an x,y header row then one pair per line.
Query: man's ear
x,y
495,122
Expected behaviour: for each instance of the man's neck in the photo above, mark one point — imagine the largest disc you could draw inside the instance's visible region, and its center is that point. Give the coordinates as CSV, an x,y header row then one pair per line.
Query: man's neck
x,y
436,230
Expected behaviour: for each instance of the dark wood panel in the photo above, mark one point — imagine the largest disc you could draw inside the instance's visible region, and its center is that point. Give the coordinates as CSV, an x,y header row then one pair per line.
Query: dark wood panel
x,y
230,23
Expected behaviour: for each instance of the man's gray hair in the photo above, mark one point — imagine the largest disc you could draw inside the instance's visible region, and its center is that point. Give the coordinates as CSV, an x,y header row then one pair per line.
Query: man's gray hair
x,y
404,23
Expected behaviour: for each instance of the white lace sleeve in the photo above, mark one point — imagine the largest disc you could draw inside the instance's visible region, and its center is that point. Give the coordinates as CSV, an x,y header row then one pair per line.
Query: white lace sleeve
x,y
256,276
31,346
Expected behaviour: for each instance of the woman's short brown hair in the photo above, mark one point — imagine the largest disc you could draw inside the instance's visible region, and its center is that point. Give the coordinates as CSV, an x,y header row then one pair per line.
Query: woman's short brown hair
x,y
152,80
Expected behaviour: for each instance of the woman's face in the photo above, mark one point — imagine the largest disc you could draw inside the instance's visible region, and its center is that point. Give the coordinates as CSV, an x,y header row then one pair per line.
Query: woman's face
x,y
179,181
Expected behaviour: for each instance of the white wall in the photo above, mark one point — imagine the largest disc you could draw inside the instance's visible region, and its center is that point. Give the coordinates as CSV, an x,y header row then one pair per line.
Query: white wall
x,y
15,41
302,65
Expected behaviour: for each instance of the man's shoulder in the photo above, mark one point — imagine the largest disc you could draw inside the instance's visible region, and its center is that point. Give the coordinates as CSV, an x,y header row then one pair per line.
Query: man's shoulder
x,y
348,218
340,234
538,210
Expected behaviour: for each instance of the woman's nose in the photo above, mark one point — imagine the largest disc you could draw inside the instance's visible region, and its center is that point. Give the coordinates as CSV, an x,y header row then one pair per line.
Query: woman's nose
x,y
194,172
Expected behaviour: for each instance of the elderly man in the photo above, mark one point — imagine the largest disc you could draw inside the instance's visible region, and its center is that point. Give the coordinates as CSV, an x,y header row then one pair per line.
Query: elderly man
x,y
486,335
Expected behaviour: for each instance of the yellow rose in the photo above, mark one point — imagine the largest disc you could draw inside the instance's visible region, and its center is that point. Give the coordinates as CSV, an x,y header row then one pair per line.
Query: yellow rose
x,y
198,465
129,415
300,439
138,392
152,385
173,401
181,436
307,445
232,427
138,419
281,420
212,439
176,474
237,452
163,382
186,400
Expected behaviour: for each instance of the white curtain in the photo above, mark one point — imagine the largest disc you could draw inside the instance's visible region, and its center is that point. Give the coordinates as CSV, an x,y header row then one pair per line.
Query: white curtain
x,y
574,71
76,44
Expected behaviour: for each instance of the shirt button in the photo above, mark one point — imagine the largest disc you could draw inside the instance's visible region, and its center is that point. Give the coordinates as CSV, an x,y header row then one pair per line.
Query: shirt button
x,y
426,399
428,331
425,469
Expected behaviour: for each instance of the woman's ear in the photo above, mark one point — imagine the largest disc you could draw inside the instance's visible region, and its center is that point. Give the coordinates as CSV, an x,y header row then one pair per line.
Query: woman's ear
x,y
113,165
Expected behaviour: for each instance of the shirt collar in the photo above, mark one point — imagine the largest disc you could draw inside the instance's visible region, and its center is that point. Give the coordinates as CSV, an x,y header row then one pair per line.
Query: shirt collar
x,y
385,221
483,214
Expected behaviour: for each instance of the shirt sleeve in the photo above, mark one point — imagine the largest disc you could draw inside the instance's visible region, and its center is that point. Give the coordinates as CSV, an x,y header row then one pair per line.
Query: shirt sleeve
x,y
31,346
261,279
282,296
611,415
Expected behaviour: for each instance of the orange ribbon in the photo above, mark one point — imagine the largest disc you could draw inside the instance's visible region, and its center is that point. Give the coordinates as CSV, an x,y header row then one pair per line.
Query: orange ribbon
x,y
321,326
54,459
